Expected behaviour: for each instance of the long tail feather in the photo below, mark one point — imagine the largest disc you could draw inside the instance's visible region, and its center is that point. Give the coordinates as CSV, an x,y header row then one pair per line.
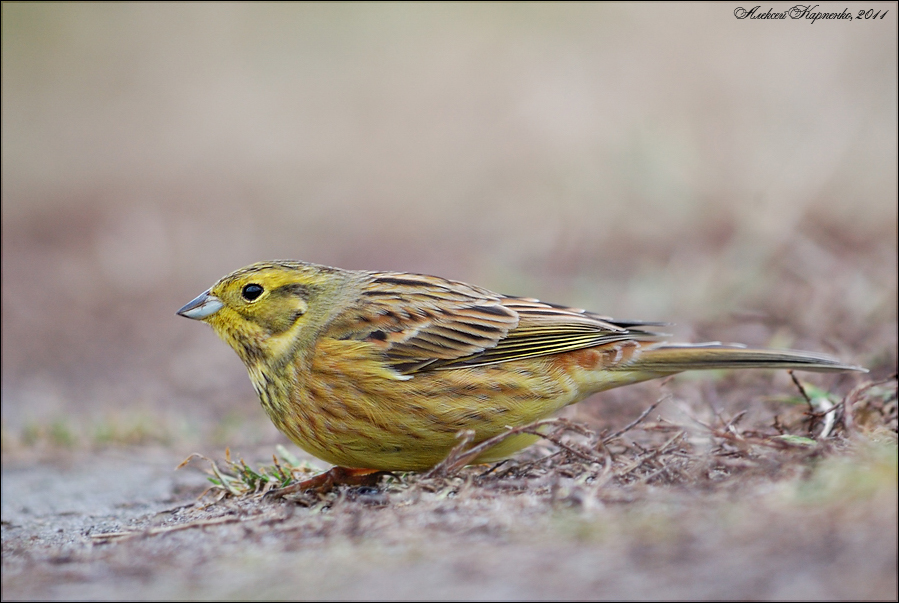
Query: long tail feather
x,y
674,358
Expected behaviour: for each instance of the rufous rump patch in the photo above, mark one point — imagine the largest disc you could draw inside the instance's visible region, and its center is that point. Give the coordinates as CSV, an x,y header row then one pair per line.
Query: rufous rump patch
x,y
599,357
587,359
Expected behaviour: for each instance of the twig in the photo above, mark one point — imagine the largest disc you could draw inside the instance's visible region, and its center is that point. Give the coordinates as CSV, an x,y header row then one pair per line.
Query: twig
x,y
801,389
829,417
201,523
819,406
856,394
652,454
459,456
558,442
493,468
636,421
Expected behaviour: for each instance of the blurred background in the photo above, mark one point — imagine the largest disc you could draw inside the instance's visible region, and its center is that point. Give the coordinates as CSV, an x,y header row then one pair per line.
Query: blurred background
x,y
658,162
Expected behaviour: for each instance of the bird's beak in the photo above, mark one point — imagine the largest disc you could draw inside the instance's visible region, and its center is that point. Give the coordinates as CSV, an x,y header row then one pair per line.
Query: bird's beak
x,y
202,306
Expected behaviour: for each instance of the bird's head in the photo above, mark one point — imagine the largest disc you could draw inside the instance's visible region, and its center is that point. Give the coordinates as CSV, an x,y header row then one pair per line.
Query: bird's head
x,y
267,310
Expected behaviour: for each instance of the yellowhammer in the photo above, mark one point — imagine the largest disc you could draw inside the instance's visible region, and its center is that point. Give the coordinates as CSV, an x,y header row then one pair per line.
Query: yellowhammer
x,y
382,370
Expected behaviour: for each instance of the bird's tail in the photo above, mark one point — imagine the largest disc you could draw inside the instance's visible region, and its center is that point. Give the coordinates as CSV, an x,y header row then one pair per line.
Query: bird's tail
x,y
674,358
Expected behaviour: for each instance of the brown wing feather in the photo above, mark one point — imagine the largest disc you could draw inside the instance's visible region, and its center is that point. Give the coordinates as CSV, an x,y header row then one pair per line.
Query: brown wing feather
x,y
545,329
419,320
429,323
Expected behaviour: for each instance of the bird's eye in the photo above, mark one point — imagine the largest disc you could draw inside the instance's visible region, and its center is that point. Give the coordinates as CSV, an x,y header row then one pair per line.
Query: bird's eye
x,y
251,292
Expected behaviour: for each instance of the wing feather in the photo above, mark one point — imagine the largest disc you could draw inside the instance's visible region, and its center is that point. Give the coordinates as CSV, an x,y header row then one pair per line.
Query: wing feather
x,y
430,323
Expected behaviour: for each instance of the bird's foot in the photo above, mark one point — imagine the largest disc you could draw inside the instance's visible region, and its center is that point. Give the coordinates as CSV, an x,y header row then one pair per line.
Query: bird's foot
x,y
335,476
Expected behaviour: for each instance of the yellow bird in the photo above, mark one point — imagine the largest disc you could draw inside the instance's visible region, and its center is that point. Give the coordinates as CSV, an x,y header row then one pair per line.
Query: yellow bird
x,y
382,370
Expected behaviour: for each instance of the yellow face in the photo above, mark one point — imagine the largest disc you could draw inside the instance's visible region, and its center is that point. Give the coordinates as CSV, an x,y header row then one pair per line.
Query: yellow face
x,y
261,311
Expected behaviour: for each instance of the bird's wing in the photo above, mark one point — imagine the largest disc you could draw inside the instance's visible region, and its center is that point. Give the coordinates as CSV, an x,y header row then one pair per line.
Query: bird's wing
x,y
545,328
425,323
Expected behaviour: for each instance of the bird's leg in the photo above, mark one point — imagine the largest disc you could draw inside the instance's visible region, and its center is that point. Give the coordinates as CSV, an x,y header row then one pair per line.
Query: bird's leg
x,y
335,476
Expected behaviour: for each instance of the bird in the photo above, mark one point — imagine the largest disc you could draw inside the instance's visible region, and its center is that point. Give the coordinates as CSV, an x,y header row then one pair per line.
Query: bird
x,y
381,371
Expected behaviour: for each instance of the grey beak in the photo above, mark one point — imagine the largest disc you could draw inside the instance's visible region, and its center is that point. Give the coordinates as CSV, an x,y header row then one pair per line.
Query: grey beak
x,y
202,306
